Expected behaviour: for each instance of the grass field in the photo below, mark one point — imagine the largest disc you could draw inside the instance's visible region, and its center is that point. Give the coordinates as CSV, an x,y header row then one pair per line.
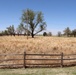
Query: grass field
x,y
18,44
39,45
39,71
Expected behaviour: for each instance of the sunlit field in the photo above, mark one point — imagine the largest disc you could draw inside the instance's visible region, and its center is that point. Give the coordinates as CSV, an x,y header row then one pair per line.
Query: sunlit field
x,y
39,44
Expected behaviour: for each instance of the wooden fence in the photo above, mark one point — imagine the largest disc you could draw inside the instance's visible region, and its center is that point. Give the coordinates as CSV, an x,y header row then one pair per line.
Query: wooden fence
x,y
58,58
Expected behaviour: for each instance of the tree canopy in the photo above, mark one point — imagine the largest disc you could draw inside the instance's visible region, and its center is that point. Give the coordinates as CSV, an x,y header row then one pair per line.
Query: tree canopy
x,y
67,31
34,22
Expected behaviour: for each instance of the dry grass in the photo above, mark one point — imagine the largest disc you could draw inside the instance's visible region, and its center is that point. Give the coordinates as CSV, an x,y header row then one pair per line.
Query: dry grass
x,y
17,44
47,45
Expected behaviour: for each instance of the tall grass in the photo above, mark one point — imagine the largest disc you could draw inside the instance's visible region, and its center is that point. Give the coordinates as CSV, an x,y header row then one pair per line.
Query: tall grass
x,y
19,44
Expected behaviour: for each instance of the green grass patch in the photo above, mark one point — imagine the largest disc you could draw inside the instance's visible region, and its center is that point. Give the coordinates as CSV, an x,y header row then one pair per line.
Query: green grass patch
x,y
39,71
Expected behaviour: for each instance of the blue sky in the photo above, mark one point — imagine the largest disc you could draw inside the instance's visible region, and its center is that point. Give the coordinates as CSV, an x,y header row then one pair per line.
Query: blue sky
x,y
58,14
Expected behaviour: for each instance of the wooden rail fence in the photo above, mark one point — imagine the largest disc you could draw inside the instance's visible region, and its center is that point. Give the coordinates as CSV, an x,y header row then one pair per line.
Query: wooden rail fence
x,y
52,57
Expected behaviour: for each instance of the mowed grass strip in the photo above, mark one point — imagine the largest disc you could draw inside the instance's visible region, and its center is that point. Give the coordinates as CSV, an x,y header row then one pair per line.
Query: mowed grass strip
x,y
39,71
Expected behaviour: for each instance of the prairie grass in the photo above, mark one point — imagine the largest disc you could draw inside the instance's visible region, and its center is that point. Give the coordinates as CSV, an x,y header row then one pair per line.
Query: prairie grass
x,y
39,44
19,44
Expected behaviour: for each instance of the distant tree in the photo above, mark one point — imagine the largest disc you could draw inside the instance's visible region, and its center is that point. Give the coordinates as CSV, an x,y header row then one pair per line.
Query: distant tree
x,y
44,34
11,30
67,31
34,20
74,32
59,34
0,33
50,34
5,32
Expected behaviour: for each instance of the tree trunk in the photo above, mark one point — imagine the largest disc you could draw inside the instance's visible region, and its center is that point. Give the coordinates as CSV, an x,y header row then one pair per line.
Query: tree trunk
x,y
32,34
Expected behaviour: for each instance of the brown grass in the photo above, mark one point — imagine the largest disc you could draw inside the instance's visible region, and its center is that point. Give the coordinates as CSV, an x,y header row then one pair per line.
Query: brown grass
x,y
45,45
19,44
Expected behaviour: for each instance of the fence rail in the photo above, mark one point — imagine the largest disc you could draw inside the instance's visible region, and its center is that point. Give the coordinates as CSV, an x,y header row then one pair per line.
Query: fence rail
x,y
57,57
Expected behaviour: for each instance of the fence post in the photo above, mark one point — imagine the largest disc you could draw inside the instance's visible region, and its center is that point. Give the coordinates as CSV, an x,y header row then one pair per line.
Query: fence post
x,y
61,59
24,59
